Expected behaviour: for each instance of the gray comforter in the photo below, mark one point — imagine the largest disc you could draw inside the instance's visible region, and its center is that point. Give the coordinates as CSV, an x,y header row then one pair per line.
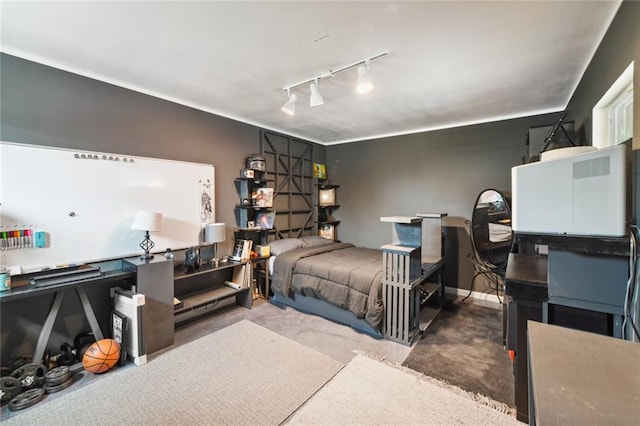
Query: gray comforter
x,y
341,274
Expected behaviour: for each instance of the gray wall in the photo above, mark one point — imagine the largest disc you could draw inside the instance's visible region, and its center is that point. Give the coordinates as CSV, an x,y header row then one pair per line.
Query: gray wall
x,y
619,47
439,171
45,106
443,171
433,171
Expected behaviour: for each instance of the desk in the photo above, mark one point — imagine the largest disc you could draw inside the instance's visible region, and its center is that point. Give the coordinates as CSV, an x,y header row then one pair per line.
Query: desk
x,y
526,287
528,282
580,378
58,291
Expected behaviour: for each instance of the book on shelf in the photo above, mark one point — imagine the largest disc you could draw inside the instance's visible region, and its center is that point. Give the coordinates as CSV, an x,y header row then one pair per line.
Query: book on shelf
x,y
240,278
242,250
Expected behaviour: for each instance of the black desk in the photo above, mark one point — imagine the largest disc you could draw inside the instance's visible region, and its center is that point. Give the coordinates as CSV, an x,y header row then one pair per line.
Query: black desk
x,y
526,286
22,290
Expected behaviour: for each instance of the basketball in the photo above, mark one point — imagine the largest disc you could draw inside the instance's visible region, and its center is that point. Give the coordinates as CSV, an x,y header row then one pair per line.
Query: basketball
x,y
101,356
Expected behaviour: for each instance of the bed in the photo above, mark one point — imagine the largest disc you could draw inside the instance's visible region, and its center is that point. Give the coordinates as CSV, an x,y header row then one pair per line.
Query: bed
x,y
338,281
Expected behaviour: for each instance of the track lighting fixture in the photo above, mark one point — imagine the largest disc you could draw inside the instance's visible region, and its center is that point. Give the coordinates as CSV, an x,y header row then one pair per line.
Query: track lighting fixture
x,y
290,106
316,98
364,84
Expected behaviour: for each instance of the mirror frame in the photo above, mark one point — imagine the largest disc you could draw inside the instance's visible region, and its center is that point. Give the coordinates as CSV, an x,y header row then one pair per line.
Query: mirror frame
x,y
479,258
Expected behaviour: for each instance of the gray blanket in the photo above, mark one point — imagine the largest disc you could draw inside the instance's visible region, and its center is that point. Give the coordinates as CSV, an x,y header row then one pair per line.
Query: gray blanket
x,y
341,274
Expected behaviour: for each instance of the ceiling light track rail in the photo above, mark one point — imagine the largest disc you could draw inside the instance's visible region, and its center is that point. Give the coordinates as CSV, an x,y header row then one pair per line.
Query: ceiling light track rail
x,y
333,72
364,84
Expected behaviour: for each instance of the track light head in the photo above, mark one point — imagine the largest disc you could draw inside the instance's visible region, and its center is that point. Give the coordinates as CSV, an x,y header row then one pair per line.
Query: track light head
x,y
290,106
365,85
316,98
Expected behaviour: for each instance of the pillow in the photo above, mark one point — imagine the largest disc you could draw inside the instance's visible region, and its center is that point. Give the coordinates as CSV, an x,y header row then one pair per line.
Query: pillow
x,y
315,240
280,246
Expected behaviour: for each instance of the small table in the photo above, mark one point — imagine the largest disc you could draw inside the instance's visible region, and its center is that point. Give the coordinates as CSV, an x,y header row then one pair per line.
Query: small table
x,y
580,378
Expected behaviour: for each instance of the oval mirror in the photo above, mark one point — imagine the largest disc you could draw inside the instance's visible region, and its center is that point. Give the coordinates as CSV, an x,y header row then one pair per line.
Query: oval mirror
x,y
491,233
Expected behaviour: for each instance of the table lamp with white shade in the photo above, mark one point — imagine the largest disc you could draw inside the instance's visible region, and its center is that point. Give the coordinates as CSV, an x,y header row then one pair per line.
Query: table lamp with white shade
x,y
148,222
214,233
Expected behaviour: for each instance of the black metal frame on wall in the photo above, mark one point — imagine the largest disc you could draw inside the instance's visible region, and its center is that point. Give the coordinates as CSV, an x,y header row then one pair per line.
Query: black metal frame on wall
x,y
289,162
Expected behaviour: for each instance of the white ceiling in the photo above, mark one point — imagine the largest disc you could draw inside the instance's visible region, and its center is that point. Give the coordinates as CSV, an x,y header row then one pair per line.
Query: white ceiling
x,y
450,63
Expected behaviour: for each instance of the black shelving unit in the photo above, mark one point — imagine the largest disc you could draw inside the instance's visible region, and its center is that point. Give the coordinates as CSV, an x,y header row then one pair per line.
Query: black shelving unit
x,y
246,210
326,224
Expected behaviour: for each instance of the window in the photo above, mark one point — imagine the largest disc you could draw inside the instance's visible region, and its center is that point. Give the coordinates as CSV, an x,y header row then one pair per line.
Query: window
x,y
613,114
621,117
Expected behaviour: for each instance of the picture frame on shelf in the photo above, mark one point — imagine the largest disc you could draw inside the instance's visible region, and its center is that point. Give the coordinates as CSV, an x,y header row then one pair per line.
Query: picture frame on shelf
x,y
264,220
327,197
264,197
327,231
319,171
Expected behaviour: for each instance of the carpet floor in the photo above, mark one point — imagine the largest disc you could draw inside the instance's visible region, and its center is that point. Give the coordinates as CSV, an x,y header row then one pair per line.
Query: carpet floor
x,y
463,346
243,374
368,391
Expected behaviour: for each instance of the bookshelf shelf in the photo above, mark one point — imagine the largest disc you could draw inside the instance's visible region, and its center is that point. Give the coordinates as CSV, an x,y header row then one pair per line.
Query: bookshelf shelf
x,y
199,292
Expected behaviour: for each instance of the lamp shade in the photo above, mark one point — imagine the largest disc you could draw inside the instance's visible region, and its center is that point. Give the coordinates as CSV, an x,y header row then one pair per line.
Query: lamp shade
x,y
365,85
290,106
316,97
147,221
214,233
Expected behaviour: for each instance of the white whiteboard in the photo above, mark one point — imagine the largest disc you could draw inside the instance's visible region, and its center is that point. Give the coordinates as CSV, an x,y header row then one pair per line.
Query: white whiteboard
x,y
85,202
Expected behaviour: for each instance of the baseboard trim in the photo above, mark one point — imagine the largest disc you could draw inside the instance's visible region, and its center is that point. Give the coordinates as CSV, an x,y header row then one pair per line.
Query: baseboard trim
x,y
476,295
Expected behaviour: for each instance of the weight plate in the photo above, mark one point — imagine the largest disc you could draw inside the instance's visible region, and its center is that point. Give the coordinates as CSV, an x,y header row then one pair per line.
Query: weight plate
x,y
57,375
10,388
18,362
5,371
26,399
57,388
30,375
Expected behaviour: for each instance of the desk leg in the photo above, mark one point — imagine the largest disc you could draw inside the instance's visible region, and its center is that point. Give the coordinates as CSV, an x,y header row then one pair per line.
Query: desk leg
x,y
617,326
532,405
45,333
545,312
88,312
266,279
505,319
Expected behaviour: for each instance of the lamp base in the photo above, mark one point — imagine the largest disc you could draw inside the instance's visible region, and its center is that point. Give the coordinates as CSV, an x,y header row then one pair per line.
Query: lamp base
x,y
146,245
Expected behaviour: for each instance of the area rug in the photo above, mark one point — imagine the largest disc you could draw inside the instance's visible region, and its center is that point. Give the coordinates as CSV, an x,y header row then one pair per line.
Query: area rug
x,y
369,391
242,374
463,346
